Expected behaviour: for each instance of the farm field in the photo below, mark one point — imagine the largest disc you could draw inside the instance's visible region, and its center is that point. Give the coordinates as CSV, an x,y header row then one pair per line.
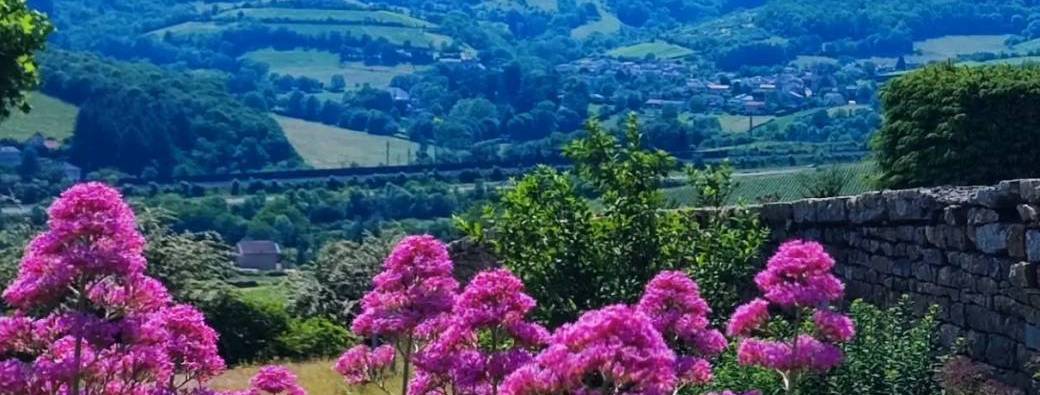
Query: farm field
x,y
607,24
324,146
322,65
49,116
739,123
395,34
1017,60
784,184
782,122
321,15
947,47
660,49
807,60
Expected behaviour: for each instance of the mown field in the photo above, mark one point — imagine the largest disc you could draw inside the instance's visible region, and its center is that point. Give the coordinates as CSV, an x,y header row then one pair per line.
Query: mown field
x,y
50,117
322,65
948,47
660,49
740,124
317,377
419,37
784,184
607,24
320,15
323,146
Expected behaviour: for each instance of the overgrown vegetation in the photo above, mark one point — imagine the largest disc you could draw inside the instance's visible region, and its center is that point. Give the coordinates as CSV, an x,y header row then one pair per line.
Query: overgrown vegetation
x,y
957,125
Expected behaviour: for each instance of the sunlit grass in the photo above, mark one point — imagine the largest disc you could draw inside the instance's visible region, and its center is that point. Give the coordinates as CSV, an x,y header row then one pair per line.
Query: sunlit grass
x,y
315,376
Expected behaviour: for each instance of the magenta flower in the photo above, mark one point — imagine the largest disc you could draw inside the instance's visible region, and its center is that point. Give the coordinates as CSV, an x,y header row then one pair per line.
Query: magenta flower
x,y
82,285
798,280
834,327
748,318
362,365
493,304
614,347
274,379
799,274
416,285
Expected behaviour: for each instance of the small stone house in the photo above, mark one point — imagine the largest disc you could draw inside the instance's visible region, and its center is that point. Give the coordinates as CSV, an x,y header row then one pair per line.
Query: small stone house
x,y
258,255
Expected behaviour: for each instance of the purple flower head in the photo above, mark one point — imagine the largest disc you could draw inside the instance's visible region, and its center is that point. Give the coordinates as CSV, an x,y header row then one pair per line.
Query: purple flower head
x,y
616,346
91,232
834,327
493,298
748,318
191,344
361,365
809,354
416,285
673,301
799,274
274,379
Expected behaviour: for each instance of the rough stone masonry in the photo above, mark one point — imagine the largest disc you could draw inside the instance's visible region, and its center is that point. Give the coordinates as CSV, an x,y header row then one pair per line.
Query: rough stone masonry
x,y
974,251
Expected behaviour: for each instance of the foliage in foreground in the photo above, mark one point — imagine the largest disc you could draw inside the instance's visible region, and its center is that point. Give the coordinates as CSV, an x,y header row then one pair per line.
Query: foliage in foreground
x,y
481,342
947,124
23,31
575,256
89,320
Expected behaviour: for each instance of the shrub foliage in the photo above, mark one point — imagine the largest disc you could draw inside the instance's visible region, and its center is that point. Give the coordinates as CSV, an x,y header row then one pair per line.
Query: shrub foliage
x,y
959,125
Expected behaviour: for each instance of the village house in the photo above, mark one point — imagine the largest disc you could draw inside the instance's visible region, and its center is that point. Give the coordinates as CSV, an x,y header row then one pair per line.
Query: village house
x,y
258,255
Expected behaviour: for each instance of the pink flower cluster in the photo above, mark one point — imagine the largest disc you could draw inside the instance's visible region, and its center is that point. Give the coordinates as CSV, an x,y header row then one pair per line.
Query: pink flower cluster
x,y
360,364
275,380
416,284
629,347
493,304
614,347
797,278
89,320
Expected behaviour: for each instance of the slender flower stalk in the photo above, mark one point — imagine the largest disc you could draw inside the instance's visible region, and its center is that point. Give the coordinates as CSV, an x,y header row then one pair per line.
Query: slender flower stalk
x,y
797,280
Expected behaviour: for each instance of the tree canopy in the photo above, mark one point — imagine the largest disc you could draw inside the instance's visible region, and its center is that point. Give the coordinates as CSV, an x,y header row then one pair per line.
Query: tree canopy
x,y
22,33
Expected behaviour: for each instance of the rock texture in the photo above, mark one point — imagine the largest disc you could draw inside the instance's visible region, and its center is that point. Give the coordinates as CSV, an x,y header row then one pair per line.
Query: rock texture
x,y
973,251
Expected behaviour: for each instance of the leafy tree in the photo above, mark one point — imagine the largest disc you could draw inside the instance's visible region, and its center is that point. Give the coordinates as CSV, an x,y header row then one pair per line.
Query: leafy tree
x,y
573,259
22,33
334,283
187,263
824,183
959,125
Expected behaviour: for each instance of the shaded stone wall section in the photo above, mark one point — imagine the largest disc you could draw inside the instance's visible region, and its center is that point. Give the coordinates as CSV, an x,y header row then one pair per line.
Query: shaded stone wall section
x,y
974,251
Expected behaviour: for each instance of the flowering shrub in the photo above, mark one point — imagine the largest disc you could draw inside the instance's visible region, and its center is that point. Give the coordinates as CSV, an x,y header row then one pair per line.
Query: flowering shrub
x,y
798,283
408,306
89,321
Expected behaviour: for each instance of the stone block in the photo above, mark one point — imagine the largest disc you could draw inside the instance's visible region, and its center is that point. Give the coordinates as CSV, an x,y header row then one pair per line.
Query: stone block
x,y
831,210
923,272
776,214
1016,240
982,216
1000,351
992,238
1028,213
1029,190
1032,333
866,208
1023,275
803,211
909,205
955,215
1033,245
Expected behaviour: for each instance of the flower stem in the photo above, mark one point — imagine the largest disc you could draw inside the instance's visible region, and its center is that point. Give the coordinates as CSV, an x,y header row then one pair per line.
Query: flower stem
x,y
407,352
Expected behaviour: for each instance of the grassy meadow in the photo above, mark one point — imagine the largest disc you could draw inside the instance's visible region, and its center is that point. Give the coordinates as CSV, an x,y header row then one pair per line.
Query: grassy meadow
x,y
947,47
49,116
783,183
315,376
320,15
607,24
395,34
660,49
322,65
324,146
739,123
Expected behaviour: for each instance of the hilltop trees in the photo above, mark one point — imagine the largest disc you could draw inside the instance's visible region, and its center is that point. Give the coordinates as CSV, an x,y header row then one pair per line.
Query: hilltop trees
x,y
22,33
959,125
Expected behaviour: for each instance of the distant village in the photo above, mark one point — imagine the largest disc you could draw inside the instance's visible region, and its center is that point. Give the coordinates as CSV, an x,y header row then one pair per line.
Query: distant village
x,y
791,89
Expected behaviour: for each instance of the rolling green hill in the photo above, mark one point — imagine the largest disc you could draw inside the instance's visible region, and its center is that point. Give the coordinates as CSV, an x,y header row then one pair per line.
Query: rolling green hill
x,y
323,146
660,49
322,65
49,116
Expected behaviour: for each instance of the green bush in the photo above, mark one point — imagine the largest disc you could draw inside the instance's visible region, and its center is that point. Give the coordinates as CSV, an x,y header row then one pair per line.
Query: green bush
x,y
250,330
313,337
957,125
893,352
577,253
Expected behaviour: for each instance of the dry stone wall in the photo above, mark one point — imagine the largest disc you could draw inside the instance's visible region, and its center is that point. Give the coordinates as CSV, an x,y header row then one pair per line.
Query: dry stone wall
x,y
974,251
